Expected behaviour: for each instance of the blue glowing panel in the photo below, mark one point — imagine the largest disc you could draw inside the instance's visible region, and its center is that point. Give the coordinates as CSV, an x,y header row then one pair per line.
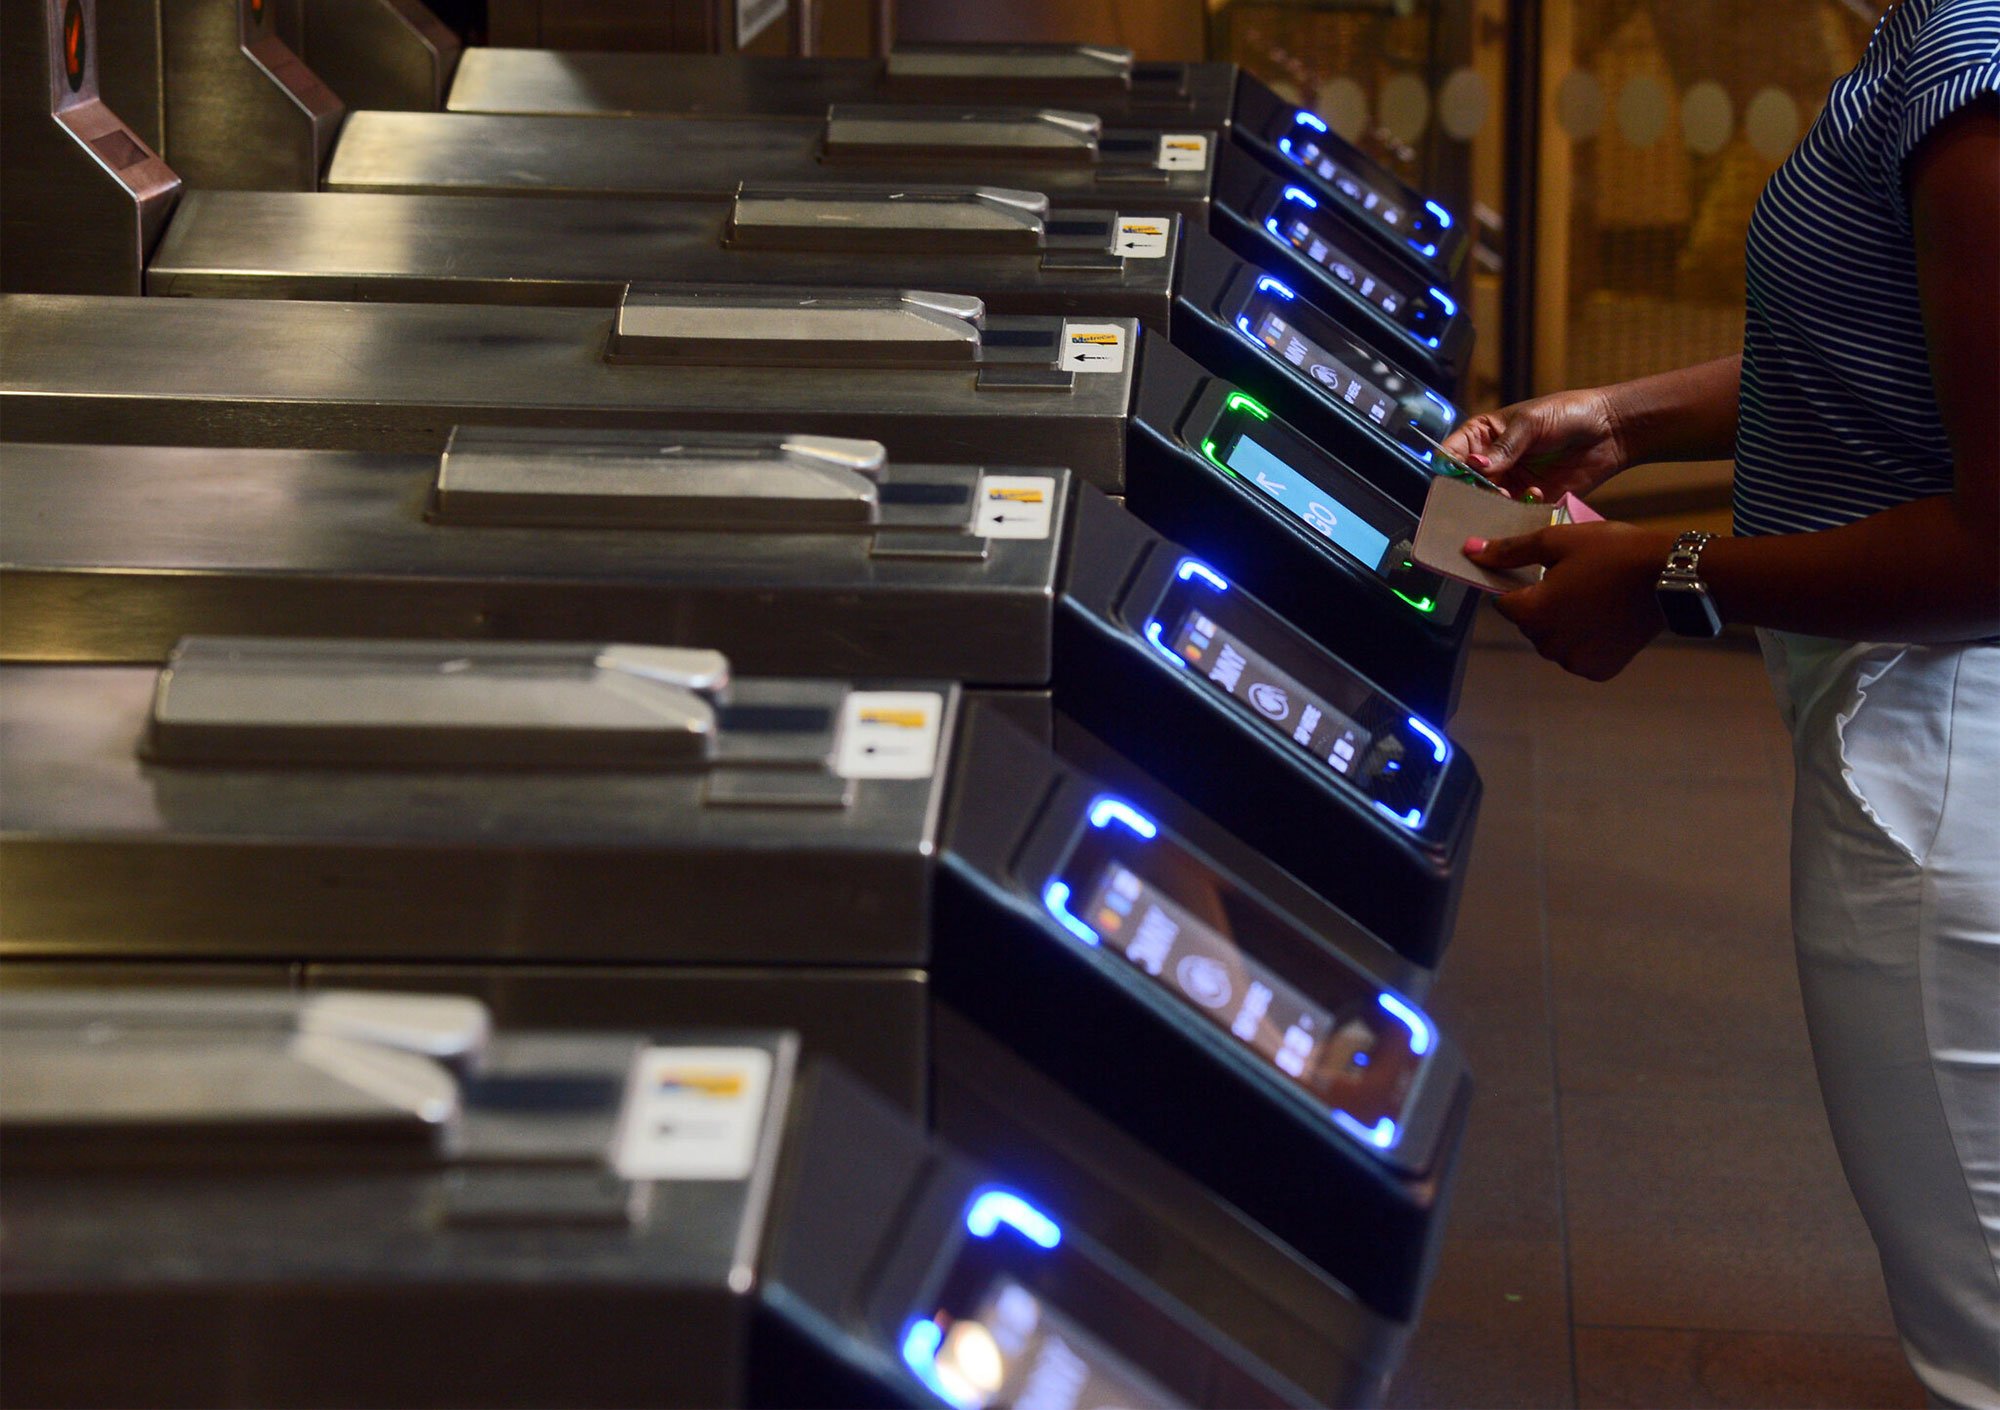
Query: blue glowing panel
x,y
1319,509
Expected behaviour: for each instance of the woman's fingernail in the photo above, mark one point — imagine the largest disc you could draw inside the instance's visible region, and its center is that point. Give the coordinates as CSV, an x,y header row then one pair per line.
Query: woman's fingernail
x,y
1475,545
1479,462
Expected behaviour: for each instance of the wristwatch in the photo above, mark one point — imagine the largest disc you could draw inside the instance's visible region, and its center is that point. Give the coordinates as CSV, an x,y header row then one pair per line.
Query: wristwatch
x,y
1683,596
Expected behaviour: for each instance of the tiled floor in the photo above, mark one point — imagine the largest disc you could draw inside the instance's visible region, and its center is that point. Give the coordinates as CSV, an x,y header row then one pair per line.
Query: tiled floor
x,y
1648,1210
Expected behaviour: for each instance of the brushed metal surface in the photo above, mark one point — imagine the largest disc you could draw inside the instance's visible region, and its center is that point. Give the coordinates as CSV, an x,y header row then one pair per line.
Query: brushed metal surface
x,y
495,154
608,84
380,53
243,112
112,553
82,198
105,856
582,252
398,377
129,77
875,1022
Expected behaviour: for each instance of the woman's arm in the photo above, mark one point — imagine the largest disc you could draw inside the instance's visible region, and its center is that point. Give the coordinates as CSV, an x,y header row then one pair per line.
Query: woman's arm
x,y
1924,571
1575,441
1688,414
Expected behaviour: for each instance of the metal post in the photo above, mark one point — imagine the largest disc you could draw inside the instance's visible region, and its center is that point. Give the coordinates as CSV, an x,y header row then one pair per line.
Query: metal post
x,y
1523,196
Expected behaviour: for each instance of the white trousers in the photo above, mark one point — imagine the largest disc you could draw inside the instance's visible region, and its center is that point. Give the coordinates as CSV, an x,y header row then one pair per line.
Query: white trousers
x,y
1896,917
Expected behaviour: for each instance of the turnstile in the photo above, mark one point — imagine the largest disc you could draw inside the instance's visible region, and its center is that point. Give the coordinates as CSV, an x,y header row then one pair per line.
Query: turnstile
x,y
929,375
925,374
259,1199
81,199
436,813
1004,247
793,555
1071,157
1102,79
1106,81
1313,369
1277,222
1318,543
1009,248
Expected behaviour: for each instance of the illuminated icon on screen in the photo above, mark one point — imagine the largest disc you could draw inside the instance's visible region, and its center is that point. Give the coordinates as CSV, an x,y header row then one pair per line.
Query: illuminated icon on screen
x,y
1308,722
1295,1051
1250,1017
1154,940
1270,699
1228,667
1321,518
1205,980
1269,485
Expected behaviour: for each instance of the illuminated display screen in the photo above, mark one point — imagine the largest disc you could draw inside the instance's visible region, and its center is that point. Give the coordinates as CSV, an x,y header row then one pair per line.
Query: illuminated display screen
x,y
1013,1348
1419,224
1297,691
1301,236
1308,153
1269,1016
1289,708
1316,506
1315,1022
1342,382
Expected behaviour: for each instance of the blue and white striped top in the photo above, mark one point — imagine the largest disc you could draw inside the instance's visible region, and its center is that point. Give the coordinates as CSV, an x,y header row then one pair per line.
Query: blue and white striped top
x,y
1839,417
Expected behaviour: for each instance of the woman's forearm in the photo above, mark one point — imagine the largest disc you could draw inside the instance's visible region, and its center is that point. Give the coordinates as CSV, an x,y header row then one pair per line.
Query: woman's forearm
x,y
1928,570
1687,414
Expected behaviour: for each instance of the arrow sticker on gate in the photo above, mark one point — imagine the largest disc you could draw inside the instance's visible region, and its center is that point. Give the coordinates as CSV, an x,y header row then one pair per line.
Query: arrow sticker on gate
x,y
1183,151
1093,347
1015,506
1142,236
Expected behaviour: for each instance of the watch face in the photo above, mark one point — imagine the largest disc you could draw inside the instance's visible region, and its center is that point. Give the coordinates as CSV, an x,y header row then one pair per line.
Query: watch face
x,y
1688,609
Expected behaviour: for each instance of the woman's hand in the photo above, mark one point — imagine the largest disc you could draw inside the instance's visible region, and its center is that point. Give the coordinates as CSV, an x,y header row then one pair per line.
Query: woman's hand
x,y
1568,443
1594,610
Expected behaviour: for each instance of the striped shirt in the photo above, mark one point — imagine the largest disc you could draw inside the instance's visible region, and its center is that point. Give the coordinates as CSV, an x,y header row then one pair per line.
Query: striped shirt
x,y
1839,416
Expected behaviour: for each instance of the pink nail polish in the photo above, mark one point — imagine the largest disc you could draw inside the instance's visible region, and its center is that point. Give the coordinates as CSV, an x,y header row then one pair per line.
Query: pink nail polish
x,y
1475,545
1479,462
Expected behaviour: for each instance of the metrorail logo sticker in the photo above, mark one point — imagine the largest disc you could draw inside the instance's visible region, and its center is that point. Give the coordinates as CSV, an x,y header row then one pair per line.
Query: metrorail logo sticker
x,y
75,44
896,719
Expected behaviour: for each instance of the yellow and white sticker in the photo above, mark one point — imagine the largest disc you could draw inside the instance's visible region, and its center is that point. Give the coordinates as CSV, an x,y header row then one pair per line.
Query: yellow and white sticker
x,y
1183,151
1093,347
693,1114
1142,236
889,734
1015,506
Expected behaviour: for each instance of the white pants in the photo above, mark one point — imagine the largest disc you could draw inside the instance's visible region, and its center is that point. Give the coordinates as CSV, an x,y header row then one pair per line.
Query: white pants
x,y
1896,916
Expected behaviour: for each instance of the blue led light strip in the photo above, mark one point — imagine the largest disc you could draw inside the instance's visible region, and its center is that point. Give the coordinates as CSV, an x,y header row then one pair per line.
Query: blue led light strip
x,y
1437,740
1381,1135
1312,120
1419,1026
920,1348
989,1209
1268,285
1106,810
1155,634
1191,568
1055,896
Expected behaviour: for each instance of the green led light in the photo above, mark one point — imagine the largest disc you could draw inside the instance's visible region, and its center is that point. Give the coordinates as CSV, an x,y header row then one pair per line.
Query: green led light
x,y
1244,401
1422,604
1208,449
